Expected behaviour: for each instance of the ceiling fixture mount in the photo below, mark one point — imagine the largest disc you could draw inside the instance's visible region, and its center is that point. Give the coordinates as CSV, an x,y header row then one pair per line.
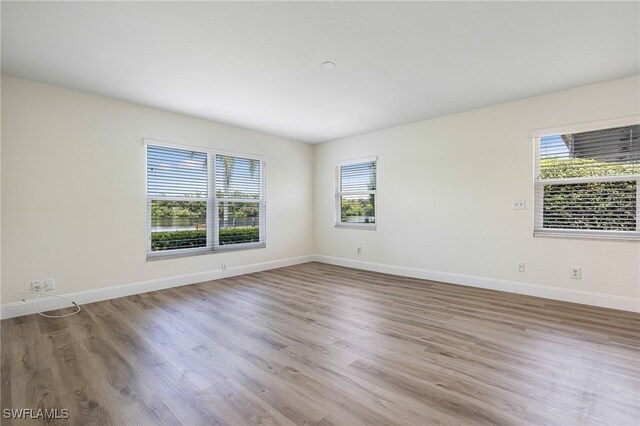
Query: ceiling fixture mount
x,y
328,66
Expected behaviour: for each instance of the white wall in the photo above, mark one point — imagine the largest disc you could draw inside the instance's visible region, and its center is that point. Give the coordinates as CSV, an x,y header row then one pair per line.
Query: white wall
x,y
73,201
445,188
73,189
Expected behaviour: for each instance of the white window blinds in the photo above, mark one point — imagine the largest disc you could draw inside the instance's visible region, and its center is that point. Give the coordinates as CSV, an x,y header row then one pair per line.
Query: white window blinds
x,y
356,187
176,173
587,183
200,201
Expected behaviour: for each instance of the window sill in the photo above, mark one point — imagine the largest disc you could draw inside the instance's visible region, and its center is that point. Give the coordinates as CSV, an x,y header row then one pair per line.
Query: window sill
x,y
588,235
239,247
365,226
174,254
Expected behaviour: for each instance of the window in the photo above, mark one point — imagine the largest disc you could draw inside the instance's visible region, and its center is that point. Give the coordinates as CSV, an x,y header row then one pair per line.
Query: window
x,y
239,200
587,183
199,201
356,194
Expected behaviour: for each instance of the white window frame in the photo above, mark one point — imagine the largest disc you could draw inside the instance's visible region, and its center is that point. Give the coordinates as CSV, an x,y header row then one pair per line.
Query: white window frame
x,y
538,229
212,225
338,195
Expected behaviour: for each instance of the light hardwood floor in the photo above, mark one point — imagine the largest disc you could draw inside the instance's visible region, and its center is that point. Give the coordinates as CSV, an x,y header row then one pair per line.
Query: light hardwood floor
x,y
317,344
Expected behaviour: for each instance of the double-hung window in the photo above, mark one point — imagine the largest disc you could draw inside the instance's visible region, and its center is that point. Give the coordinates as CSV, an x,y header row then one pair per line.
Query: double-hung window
x,y
588,183
201,201
356,183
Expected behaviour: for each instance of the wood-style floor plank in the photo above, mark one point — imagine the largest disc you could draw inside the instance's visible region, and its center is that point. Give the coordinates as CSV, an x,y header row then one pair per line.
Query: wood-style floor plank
x,y
316,344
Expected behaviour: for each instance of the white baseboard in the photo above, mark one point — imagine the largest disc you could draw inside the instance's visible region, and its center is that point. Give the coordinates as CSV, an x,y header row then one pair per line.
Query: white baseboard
x,y
16,309
547,292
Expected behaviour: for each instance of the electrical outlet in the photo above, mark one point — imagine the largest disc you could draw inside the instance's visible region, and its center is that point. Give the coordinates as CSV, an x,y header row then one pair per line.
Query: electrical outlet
x,y
37,286
49,284
223,266
359,250
575,273
520,266
518,205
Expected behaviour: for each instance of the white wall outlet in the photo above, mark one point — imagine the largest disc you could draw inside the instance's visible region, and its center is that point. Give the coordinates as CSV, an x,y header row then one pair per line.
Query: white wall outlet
x,y
37,286
575,273
223,266
518,205
520,266
49,284
359,251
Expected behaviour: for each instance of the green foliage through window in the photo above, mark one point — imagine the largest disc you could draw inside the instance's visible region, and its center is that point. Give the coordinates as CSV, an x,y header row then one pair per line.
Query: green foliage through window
x,y
359,209
171,240
608,206
554,168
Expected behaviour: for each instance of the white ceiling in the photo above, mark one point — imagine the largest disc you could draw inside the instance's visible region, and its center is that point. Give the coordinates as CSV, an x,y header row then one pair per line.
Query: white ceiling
x,y
257,65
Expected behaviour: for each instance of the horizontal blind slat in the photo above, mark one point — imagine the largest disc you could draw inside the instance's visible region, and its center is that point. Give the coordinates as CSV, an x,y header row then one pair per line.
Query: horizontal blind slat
x,y
358,176
607,206
176,172
596,153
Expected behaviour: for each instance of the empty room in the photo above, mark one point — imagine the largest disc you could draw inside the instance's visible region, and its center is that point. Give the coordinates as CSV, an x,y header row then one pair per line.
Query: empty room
x,y
320,213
